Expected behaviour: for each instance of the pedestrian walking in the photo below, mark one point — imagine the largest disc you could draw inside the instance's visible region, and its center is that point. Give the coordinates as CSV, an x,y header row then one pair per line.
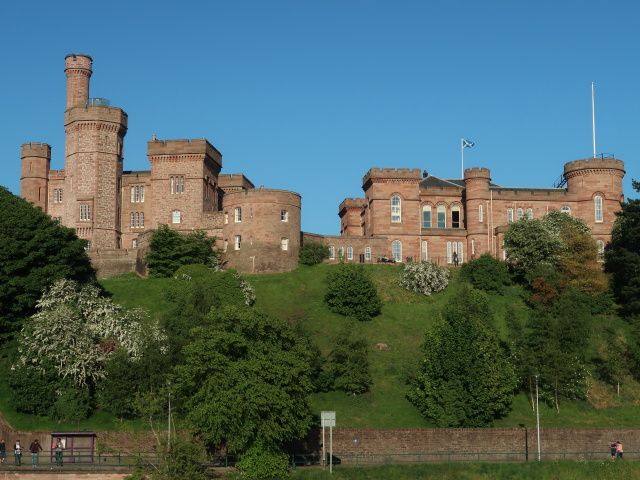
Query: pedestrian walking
x,y
35,448
58,448
613,446
619,449
17,453
3,452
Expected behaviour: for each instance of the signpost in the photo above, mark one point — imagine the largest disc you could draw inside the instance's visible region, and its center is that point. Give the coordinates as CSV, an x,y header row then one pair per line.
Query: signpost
x,y
328,419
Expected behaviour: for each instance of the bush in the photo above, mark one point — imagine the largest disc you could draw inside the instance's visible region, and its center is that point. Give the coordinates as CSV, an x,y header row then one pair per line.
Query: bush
x,y
312,253
424,277
486,273
352,293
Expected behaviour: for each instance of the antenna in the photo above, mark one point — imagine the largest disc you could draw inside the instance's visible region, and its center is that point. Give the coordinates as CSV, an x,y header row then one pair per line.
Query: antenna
x,y
593,118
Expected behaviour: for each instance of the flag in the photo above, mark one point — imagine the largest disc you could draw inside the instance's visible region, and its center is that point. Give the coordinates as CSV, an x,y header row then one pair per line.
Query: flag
x,y
466,144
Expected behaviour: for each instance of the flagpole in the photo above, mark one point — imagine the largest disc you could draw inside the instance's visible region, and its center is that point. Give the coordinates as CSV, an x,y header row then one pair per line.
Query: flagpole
x,y
462,154
593,118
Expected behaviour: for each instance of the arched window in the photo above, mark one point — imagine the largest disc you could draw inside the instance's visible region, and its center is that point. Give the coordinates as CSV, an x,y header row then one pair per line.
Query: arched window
x,y
597,200
424,251
426,216
600,245
509,215
396,209
340,253
519,213
332,253
529,213
367,254
455,216
175,216
442,216
480,214
396,250
349,253
566,209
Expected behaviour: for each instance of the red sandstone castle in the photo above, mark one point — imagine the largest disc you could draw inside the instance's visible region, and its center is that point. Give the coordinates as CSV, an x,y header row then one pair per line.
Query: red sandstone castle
x,y
405,213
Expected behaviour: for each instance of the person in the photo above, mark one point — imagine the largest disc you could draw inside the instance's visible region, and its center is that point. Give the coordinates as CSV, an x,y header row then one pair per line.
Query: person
x,y
35,448
58,447
619,450
455,259
17,453
3,452
614,448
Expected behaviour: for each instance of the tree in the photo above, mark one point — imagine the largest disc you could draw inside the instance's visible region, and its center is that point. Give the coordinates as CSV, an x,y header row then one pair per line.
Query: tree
x,y
486,273
348,362
465,379
622,256
424,277
35,251
170,249
246,381
529,243
312,253
352,293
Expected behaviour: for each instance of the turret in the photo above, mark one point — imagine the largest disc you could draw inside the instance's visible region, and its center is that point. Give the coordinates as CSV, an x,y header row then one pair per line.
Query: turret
x,y
36,161
78,71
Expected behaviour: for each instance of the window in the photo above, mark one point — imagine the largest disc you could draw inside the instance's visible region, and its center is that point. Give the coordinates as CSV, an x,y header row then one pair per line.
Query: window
x,y
238,242
238,214
424,251
332,253
57,195
137,220
519,213
509,215
367,254
132,220
88,245
176,184
137,194
473,248
396,250
396,209
598,207
85,211
600,246
284,243
284,215
226,218
134,243
349,253
441,216
340,253
455,217
480,214
141,219
530,213
175,216
566,209
426,216
454,247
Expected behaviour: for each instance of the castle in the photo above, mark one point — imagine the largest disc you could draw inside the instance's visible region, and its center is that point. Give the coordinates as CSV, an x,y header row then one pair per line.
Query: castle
x,y
405,214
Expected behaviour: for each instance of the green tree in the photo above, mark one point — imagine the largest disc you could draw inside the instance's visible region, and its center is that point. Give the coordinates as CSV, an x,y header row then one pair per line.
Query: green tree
x,y
530,243
622,256
246,381
466,379
352,293
348,362
35,251
486,273
312,253
170,249
424,277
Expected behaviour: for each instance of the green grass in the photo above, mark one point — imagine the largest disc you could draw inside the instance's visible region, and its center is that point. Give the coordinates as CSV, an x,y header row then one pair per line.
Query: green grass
x,y
547,470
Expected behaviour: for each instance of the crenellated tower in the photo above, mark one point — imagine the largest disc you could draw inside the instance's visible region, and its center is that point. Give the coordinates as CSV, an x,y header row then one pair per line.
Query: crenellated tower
x,y
93,159
34,178
477,207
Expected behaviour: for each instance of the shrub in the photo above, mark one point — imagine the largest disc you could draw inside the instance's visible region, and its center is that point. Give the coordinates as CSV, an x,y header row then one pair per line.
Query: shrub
x,y
486,273
352,293
424,277
312,253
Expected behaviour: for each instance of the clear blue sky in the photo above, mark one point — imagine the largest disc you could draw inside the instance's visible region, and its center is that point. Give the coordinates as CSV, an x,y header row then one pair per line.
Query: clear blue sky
x,y
309,95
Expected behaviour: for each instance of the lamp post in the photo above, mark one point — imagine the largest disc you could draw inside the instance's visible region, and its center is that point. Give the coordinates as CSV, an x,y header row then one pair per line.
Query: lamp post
x,y
537,417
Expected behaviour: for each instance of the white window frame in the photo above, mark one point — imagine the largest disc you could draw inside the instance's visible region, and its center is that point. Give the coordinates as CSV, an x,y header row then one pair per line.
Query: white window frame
x,y
441,216
367,254
396,209
509,215
134,243
424,251
530,213
340,253
238,242
85,211
237,214
176,216
519,214
284,243
396,250
480,214
349,253
284,215
566,209
332,253
600,250
426,212
597,204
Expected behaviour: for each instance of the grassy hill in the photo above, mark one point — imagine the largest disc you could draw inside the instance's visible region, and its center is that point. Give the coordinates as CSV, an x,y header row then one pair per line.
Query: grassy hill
x,y
298,297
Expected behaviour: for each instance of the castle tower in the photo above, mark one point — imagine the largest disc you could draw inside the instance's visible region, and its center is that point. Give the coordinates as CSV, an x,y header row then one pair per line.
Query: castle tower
x,y
93,159
477,213
34,179
596,184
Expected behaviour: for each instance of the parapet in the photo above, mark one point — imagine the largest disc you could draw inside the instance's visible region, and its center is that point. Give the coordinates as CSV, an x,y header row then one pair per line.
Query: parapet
x,y
234,181
78,61
393,173
198,146
594,163
35,149
351,203
476,172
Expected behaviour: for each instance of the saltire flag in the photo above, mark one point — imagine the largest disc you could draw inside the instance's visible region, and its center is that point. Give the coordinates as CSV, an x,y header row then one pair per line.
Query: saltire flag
x,y
466,144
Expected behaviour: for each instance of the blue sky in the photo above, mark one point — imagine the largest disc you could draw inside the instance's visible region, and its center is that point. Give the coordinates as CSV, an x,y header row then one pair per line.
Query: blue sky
x,y
309,95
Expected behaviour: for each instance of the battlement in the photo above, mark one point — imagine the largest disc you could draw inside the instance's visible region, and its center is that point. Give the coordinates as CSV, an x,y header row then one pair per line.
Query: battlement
x,y
234,181
476,172
393,173
594,163
351,203
198,146
35,149
78,60
93,113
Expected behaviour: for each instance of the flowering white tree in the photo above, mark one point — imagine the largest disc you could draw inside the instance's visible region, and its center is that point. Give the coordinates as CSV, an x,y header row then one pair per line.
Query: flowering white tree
x,y
424,277
76,329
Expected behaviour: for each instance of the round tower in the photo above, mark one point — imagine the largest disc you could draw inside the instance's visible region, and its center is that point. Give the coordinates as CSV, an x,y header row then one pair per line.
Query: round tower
x,y
78,71
477,210
36,161
262,230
